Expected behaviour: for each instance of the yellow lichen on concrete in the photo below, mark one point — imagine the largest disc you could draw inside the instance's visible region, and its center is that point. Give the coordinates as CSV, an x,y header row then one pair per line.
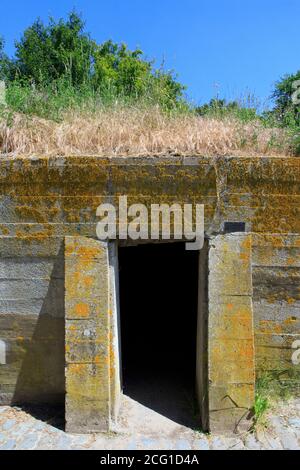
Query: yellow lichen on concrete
x,y
231,343
88,351
82,310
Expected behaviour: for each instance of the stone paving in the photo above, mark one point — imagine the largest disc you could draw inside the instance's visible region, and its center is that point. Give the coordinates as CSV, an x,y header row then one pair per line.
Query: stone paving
x,y
40,429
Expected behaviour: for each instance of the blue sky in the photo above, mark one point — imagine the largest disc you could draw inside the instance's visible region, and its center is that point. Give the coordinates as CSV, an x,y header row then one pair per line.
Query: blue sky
x,y
229,47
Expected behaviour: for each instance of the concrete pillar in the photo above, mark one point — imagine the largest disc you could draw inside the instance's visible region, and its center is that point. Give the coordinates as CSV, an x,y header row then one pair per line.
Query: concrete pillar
x,y
115,333
88,338
231,372
202,339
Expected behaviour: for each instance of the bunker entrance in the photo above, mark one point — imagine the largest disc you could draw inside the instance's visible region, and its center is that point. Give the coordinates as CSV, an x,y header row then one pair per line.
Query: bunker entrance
x,y
158,305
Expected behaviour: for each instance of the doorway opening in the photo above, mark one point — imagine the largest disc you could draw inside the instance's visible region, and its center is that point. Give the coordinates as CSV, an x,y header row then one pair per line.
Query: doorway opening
x,y
158,305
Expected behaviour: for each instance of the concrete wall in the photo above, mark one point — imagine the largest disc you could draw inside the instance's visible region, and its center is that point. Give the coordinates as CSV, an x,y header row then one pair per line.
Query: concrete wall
x,y
44,199
32,323
276,301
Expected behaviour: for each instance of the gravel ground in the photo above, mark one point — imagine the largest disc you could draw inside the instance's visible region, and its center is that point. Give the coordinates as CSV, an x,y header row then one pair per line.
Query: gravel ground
x,y
142,428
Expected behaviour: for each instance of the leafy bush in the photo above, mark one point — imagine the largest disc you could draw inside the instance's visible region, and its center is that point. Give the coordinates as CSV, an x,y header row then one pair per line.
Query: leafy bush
x,y
59,69
220,108
58,65
286,111
5,63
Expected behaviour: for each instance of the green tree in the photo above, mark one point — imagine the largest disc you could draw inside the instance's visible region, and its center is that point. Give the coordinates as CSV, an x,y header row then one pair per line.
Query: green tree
x,y
46,53
129,75
287,102
62,52
220,108
5,63
118,67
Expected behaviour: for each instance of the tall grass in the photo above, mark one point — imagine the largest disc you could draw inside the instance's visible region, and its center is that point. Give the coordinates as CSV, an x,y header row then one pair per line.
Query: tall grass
x,y
60,98
61,119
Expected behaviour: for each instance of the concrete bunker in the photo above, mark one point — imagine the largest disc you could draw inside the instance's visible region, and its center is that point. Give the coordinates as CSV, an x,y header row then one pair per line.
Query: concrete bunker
x,y
225,374
158,313
64,322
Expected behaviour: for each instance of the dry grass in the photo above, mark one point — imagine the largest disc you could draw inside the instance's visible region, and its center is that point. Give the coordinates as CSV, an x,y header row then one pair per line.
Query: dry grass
x,y
131,131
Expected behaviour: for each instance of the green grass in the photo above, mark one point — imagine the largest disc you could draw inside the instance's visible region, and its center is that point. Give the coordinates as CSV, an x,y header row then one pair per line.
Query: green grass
x,y
271,388
262,403
61,102
55,100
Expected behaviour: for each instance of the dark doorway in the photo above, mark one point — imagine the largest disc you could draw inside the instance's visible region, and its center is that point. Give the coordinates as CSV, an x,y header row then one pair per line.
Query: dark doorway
x,y
158,304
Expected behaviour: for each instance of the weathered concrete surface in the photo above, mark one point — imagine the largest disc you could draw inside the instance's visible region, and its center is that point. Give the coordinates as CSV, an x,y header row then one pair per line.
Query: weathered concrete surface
x,y
44,199
115,375
87,335
32,325
276,303
202,338
58,196
230,333
263,192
